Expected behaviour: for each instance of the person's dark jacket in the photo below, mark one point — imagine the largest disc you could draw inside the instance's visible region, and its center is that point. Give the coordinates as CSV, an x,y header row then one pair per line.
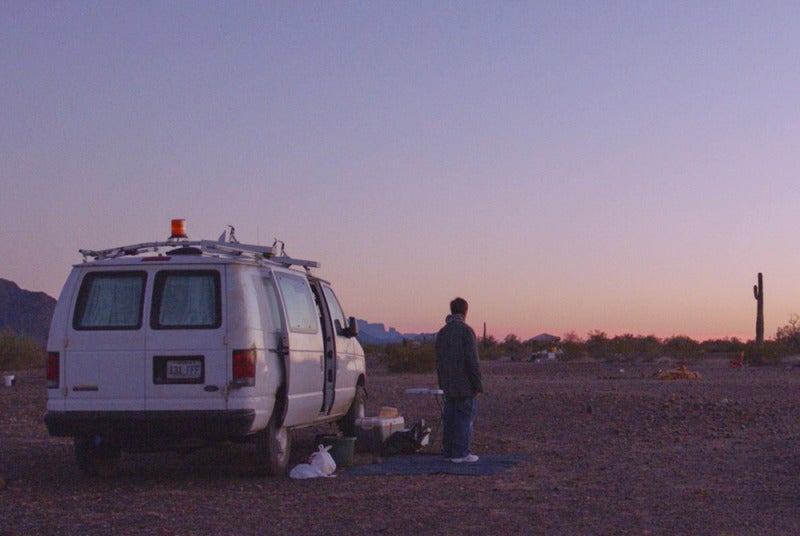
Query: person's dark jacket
x,y
457,359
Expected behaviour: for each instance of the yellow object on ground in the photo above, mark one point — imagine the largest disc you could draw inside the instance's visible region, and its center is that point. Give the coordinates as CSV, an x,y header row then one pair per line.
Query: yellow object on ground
x,y
388,412
677,373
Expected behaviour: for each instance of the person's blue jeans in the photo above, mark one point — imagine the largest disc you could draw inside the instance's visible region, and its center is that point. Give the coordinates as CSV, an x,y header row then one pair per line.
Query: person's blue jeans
x,y
457,418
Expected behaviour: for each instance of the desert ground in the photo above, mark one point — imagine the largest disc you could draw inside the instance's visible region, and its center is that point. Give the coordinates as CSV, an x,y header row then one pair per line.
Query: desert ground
x,y
608,449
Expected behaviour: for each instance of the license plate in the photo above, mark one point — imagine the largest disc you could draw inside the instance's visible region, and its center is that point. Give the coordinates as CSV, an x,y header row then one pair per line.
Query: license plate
x,y
184,369
178,369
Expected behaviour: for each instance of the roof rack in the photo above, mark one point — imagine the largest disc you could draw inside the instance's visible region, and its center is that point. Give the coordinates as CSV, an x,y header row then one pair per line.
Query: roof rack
x,y
256,253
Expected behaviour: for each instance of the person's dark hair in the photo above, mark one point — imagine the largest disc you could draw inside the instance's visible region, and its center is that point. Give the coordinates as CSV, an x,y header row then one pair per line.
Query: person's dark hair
x,y
459,306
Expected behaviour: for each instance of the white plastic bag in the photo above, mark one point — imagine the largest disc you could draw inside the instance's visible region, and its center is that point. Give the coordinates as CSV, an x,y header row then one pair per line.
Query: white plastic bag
x,y
322,460
305,470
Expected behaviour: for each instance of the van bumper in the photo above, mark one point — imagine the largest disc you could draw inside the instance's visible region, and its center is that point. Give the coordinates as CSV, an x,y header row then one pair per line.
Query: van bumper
x,y
152,429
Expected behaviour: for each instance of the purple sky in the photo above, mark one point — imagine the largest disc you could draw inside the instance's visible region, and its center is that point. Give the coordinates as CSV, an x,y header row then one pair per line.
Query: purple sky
x,y
622,166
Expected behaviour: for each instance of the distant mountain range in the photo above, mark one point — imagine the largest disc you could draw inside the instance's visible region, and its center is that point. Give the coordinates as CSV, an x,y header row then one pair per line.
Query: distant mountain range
x,y
25,312
28,313
377,334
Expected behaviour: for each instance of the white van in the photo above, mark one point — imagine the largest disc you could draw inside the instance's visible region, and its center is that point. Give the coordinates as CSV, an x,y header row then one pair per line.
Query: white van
x,y
178,344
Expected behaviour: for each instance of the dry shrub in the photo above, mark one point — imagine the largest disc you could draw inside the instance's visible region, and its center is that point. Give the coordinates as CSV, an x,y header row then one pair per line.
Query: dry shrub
x,y
18,352
410,357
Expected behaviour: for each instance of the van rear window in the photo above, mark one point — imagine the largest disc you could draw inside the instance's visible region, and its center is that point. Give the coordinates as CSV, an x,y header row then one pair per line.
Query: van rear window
x,y
186,299
110,300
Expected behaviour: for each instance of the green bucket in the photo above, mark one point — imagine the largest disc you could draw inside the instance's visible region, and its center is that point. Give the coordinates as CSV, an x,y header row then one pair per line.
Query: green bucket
x,y
342,449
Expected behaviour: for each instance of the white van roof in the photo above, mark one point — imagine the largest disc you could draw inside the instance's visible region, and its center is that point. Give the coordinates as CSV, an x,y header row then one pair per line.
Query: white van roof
x,y
221,249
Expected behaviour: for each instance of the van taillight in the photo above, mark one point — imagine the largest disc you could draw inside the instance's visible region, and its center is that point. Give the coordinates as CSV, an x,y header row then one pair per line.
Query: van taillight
x,y
52,370
244,367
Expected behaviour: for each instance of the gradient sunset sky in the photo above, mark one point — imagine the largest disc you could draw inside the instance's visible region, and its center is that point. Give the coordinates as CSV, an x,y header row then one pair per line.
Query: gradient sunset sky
x,y
619,166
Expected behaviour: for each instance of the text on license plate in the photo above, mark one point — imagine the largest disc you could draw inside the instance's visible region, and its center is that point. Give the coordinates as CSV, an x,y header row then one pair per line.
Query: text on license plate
x,y
184,369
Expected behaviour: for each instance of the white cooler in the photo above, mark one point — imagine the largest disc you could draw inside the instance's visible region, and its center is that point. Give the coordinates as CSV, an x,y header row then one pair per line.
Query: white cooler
x,y
371,432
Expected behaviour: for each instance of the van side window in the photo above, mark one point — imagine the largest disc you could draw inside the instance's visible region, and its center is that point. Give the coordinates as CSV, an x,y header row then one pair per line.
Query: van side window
x,y
186,299
110,300
336,310
272,303
301,312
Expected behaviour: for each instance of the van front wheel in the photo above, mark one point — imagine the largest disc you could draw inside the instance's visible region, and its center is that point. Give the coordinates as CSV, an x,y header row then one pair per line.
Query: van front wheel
x,y
96,456
273,446
358,410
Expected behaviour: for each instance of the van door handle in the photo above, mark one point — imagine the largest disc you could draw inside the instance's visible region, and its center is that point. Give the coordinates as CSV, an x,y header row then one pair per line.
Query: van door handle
x,y
85,388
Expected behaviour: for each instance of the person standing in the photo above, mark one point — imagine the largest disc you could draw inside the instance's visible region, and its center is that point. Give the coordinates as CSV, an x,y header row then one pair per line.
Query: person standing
x,y
459,375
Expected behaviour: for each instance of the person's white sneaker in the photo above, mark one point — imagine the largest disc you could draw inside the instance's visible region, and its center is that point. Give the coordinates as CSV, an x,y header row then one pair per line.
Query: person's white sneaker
x,y
469,458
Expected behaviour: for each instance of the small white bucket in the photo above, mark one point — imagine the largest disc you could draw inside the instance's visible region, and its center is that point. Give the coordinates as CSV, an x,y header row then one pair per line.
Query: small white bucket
x,y
9,380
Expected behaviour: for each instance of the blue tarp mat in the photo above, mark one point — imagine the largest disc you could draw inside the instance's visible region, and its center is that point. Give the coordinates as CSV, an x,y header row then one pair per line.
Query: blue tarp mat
x,y
430,464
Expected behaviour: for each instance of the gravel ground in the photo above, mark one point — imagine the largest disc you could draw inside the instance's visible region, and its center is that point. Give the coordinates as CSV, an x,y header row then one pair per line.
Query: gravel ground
x,y
609,450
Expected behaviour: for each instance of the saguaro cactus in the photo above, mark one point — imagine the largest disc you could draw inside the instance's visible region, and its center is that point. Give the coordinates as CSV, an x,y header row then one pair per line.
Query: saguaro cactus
x,y
758,293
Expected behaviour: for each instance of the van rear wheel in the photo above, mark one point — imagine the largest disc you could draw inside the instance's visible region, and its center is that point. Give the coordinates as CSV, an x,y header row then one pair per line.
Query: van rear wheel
x,y
273,446
96,456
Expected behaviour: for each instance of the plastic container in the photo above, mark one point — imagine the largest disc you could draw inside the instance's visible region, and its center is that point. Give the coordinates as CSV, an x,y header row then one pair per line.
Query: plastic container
x,y
342,449
371,432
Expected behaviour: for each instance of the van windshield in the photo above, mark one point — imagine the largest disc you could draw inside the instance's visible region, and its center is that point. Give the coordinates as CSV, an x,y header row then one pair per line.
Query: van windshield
x,y
110,300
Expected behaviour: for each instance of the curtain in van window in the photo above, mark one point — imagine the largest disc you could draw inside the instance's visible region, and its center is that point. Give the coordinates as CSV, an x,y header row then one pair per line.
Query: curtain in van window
x,y
112,302
188,300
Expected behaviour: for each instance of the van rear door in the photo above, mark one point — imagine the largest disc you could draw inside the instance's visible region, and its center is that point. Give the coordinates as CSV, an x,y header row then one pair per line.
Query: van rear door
x,y
103,356
187,362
